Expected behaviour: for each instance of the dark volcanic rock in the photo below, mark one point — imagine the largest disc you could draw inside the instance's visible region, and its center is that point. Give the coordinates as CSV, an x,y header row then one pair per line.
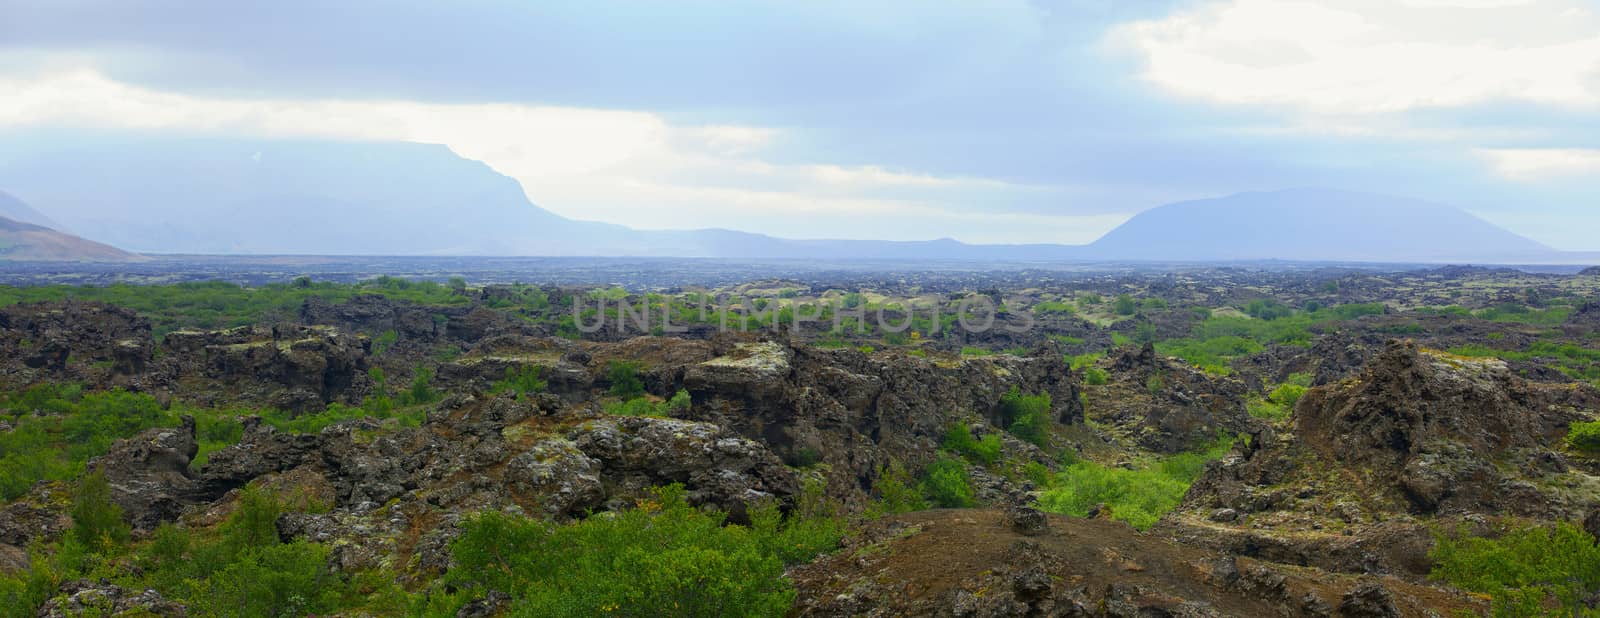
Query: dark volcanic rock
x,y
1415,435
72,340
288,367
149,474
87,598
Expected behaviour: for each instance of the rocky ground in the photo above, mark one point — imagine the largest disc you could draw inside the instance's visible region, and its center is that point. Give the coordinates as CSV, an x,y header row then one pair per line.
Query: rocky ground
x,y
1330,510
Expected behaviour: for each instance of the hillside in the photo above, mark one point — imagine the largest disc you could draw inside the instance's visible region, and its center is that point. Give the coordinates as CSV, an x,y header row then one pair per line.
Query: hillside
x,y
28,242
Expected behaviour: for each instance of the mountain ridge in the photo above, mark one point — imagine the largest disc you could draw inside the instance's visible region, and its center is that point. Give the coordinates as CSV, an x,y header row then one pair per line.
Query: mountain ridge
x,y
252,196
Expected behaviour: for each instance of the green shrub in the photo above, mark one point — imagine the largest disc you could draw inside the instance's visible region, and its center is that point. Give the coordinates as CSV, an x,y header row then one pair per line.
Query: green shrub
x,y
1523,569
1126,305
896,491
522,380
1027,416
1584,437
421,391
1267,410
1267,309
946,483
624,379
1094,376
1138,497
664,558
640,406
1287,395
289,579
1155,384
97,521
680,401
958,438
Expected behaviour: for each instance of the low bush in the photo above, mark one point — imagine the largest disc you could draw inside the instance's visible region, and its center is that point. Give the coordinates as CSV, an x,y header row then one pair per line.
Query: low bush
x,y
896,492
1584,437
1526,569
624,379
523,380
958,438
662,558
946,483
1138,497
1027,416
1094,376
1287,395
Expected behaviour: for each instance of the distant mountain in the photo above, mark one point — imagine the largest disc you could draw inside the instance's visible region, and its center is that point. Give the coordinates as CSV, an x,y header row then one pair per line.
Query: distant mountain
x,y
17,210
196,195
1313,225
28,242
250,196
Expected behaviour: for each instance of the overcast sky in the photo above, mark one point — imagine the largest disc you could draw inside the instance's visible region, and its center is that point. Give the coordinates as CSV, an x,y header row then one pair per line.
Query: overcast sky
x,y
991,121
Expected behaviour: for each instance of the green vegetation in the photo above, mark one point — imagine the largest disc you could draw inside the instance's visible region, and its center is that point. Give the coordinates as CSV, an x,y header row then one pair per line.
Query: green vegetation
x,y
624,379
1125,305
663,558
1526,569
71,427
946,483
958,439
523,380
1138,497
1027,416
1055,307
239,569
645,406
1584,438
1577,362
1211,355
96,520
896,492
218,304
1514,313
1094,376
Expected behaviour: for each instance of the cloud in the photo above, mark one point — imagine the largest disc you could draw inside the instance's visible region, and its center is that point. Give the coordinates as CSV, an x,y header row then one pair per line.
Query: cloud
x,y
1534,164
1365,56
627,167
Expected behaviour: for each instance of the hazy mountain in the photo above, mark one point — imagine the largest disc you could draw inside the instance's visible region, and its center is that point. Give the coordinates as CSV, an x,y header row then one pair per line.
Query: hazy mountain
x,y
21,241
192,195
1313,224
180,195
16,210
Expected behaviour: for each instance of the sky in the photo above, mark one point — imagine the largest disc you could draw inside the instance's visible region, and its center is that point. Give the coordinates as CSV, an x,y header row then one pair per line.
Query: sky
x,y
997,121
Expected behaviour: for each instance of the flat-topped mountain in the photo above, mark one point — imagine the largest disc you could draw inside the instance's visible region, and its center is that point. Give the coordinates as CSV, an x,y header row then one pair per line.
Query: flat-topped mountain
x,y
1313,225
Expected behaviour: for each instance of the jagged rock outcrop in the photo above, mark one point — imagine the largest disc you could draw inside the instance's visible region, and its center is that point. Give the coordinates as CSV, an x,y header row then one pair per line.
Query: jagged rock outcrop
x,y
39,515
857,412
88,598
717,466
1167,406
288,367
1371,459
93,342
149,474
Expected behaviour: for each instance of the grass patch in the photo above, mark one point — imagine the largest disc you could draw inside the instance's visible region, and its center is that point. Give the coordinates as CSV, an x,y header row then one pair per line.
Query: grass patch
x,y
1139,497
